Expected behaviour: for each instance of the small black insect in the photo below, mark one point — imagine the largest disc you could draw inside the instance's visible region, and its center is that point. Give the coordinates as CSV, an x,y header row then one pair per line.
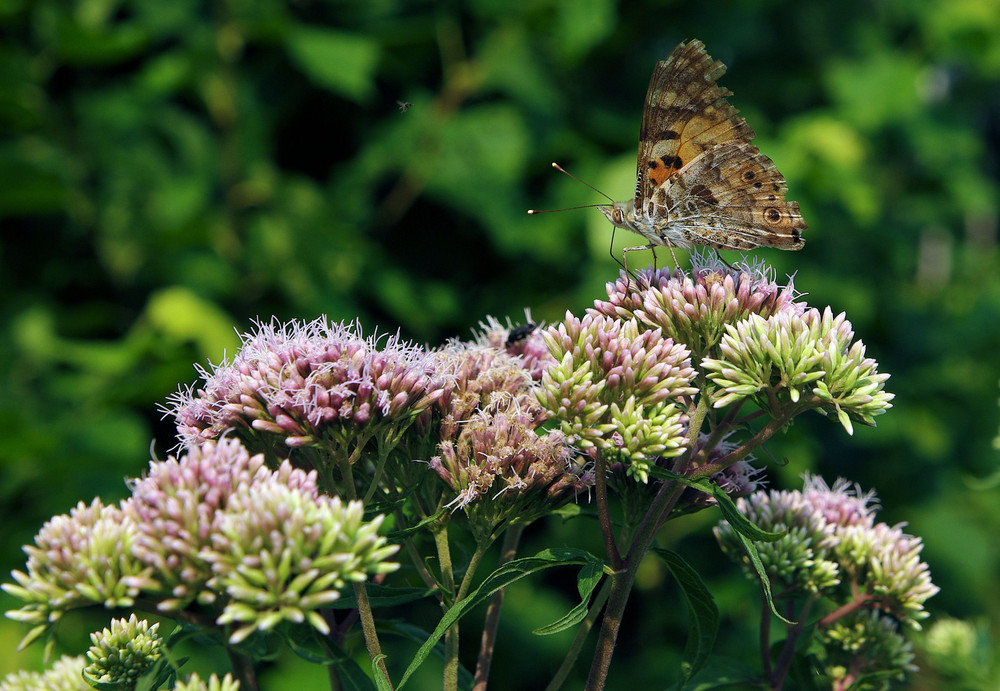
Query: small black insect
x,y
519,333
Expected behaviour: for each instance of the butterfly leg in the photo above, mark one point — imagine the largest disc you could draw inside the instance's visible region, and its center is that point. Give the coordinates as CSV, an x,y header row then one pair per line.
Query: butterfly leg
x,y
721,259
634,249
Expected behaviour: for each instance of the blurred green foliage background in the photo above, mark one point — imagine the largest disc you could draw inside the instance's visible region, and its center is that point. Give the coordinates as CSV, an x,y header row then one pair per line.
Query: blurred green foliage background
x,y
171,170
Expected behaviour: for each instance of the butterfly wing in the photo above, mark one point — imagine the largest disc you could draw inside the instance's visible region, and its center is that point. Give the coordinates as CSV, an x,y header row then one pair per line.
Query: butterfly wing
x,y
731,197
685,114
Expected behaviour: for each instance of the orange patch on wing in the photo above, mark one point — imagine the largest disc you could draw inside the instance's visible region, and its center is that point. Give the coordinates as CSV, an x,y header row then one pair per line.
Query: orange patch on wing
x,y
662,168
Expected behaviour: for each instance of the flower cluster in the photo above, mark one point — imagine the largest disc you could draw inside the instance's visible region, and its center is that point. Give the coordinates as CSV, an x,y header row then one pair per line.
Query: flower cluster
x,y
310,384
833,548
808,360
959,649
501,470
177,510
215,525
63,675
67,674
694,308
864,644
615,389
480,374
86,557
281,552
196,683
124,652
835,526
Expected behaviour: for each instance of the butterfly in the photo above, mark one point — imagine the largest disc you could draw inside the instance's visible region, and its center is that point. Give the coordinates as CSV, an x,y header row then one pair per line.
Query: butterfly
x,y
699,180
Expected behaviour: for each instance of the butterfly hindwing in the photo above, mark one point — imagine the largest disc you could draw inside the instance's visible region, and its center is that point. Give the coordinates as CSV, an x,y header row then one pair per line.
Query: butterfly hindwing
x,y
732,197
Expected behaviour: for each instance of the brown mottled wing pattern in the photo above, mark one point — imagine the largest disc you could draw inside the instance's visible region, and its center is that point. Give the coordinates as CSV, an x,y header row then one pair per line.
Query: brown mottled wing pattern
x,y
732,198
685,114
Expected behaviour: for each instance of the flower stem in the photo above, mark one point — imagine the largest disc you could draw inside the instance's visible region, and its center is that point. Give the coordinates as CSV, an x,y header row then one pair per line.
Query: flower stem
x,y
786,657
765,636
243,669
765,433
487,643
450,680
623,580
603,513
368,627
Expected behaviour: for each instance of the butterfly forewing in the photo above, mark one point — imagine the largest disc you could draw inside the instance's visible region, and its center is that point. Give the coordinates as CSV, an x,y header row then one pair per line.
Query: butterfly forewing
x,y
685,114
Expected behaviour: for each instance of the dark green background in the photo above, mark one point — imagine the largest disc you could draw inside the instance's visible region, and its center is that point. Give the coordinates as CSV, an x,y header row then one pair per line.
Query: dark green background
x,y
171,170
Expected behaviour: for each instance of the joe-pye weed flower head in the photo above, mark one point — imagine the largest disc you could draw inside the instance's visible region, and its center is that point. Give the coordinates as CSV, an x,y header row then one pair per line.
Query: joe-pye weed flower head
x,y
256,546
694,308
123,652
788,360
63,675
177,508
501,470
282,552
319,387
867,577
614,388
86,557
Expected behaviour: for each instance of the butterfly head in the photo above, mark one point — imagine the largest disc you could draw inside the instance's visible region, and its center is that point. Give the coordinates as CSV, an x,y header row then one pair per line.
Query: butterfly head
x,y
619,213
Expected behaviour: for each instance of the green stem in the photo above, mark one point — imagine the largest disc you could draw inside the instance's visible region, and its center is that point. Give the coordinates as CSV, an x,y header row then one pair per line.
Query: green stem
x,y
487,642
623,580
765,433
368,627
450,680
386,444
604,513
418,563
360,592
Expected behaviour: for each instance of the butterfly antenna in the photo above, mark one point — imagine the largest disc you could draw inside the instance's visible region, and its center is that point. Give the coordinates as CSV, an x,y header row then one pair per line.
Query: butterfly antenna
x,y
571,208
583,182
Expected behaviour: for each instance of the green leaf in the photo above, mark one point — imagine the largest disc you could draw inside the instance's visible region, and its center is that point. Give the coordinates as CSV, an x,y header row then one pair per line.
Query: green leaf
x,y
505,575
311,645
398,535
341,62
353,678
381,682
746,532
741,524
161,674
704,613
588,578
418,636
